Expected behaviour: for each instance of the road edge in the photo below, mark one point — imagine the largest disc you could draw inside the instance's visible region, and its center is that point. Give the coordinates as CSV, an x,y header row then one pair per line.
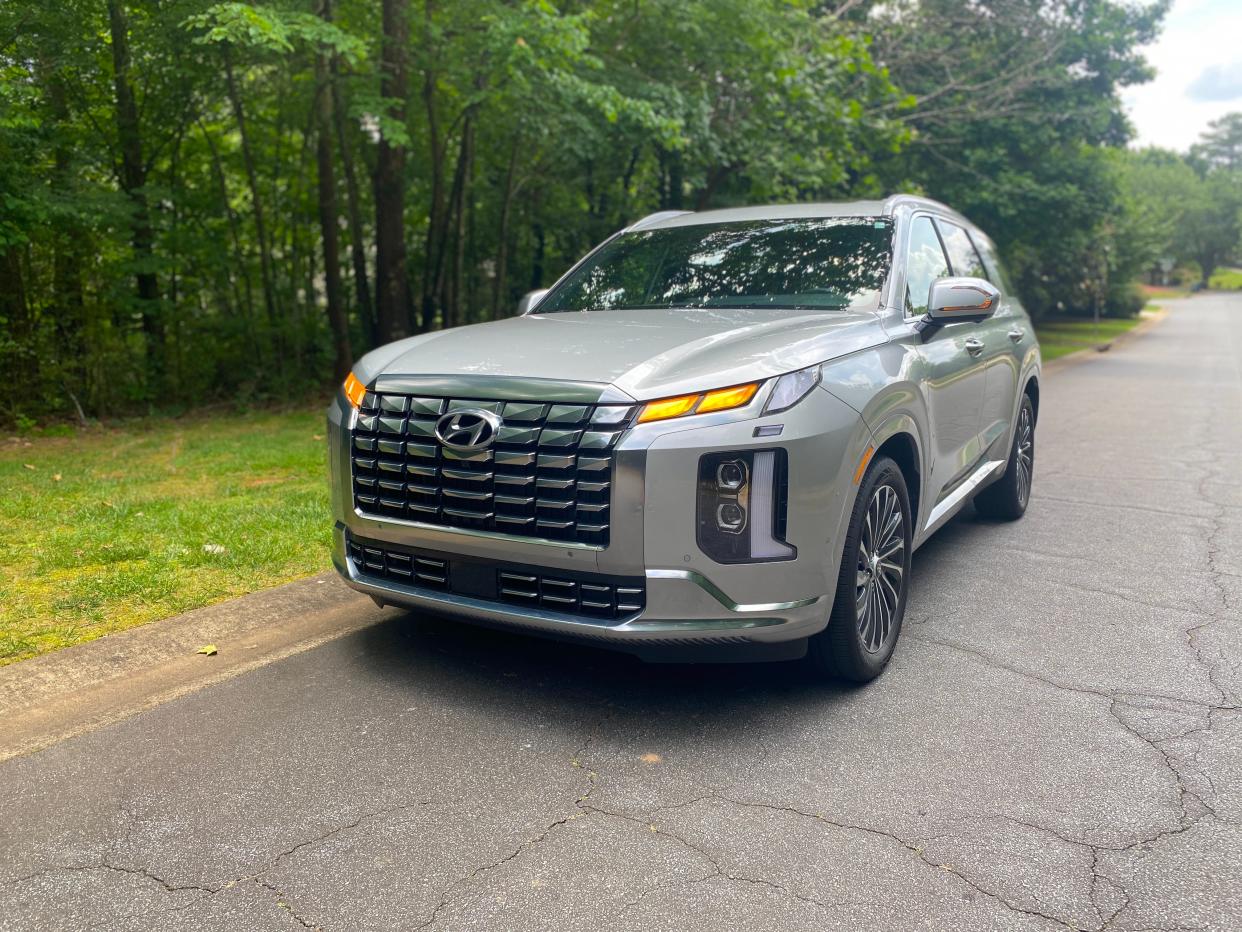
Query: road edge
x,y
1083,355
47,699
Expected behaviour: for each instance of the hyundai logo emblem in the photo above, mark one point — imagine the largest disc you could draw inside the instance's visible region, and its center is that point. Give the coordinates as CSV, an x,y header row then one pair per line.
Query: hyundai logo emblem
x,y
468,430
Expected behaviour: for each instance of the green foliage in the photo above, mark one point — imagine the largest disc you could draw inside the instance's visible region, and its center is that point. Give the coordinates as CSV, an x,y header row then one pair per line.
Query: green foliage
x,y
1198,198
173,253
264,28
1226,280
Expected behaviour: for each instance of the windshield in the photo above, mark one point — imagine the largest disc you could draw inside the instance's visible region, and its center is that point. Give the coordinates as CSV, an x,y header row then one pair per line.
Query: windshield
x,y
815,264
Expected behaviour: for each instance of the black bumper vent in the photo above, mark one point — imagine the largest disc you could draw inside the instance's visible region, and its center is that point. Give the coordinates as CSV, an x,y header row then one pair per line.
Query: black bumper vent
x,y
606,598
547,475
427,572
572,596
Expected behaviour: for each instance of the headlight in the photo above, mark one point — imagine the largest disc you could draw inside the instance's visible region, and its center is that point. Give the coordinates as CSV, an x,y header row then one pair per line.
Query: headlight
x,y
742,507
791,388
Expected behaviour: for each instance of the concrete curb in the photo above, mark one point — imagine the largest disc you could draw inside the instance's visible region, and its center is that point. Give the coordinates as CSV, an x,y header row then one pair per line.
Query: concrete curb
x,y
1083,355
47,699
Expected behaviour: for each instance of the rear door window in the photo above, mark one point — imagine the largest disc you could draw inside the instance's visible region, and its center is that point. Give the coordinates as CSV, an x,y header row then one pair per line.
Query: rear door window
x,y
962,254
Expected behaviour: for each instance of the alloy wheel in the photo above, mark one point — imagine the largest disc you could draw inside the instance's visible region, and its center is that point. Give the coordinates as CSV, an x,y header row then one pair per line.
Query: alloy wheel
x,y
1025,450
881,568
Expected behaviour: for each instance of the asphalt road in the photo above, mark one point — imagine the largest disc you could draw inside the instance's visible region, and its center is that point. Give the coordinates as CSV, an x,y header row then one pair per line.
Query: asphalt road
x,y
1058,742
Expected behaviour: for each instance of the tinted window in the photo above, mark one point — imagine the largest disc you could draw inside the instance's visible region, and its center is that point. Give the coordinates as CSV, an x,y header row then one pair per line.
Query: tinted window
x,y
962,255
816,264
991,262
925,262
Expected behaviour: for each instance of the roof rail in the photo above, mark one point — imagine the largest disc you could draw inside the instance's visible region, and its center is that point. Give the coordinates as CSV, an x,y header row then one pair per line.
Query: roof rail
x,y
656,218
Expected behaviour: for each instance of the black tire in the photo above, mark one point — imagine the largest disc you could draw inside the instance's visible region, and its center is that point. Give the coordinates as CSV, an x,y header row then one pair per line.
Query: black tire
x,y
1006,498
853,647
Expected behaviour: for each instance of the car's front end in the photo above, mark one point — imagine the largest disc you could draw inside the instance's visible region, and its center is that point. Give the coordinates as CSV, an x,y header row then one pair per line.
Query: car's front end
x,y
705,532
668,482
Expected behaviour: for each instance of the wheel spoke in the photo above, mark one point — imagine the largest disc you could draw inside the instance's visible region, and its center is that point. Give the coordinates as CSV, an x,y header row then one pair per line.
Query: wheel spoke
x,y
880,572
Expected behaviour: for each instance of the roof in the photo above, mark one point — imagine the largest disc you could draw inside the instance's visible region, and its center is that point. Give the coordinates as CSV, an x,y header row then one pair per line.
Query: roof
x,y
872,208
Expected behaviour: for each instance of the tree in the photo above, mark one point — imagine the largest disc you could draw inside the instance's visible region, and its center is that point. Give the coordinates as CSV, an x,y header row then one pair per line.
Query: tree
x,y
1220,147
391,281
328,229
133,178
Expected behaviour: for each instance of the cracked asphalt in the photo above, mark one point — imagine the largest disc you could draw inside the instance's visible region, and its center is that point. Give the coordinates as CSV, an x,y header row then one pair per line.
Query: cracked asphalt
x,y
1056,745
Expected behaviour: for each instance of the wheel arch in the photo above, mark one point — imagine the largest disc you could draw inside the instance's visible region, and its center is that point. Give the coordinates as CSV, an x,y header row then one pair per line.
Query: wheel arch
x,y
898,439
1031,390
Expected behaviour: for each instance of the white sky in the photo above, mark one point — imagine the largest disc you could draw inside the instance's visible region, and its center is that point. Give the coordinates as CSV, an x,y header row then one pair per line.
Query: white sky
x,y
1198,62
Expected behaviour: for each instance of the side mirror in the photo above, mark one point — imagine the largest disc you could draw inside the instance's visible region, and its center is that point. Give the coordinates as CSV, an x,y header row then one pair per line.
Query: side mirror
x,y
530,299
955,299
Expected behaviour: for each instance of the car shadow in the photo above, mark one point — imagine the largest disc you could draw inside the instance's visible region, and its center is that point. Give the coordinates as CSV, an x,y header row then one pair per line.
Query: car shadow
x,y
477,669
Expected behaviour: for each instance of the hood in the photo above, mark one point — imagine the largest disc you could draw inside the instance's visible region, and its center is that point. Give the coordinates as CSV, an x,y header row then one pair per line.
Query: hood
x,y
645,353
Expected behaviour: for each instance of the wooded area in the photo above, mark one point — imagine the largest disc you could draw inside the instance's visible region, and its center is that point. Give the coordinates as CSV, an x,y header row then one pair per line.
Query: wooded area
x,y
234,200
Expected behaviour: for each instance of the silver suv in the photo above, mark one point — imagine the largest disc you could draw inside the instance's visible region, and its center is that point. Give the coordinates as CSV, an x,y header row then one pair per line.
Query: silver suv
x,y
720,435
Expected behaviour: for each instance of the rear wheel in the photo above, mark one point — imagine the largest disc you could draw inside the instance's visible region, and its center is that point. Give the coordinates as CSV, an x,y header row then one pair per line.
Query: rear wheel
x,y
1007,497
874,577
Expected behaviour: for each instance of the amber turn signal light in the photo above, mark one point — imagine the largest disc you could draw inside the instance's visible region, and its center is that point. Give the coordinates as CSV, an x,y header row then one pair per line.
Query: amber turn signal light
x,y
354,390
720,399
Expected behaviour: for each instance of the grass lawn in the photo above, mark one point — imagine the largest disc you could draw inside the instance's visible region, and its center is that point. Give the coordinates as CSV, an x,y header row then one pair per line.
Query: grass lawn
x,y
107,528
1062,336
1226,280
1155,292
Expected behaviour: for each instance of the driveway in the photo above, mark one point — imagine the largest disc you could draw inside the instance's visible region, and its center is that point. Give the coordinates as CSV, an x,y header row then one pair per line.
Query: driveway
x,y
1057,744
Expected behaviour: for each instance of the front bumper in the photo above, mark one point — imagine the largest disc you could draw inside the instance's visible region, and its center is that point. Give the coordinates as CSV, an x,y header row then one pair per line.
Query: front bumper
x,y
694,608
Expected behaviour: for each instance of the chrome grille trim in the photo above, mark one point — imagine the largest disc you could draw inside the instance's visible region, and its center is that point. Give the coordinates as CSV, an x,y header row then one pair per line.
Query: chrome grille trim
x,y
548,476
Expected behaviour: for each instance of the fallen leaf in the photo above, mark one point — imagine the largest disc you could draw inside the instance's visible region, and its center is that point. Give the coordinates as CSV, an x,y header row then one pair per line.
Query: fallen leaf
x,y
651,758
316,436
208,649
56,477
28,465
214,548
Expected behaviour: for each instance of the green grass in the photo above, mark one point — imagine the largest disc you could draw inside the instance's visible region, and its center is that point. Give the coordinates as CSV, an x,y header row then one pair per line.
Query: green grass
x,y
1226,280
1060,336
1156,292
107,528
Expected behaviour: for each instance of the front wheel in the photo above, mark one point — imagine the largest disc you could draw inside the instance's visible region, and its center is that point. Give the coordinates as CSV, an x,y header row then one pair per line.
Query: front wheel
x,y
874,578
1007,497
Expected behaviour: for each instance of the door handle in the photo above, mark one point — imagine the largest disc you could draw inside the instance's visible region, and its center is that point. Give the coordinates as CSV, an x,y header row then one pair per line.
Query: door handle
x,y
974,347
1016,335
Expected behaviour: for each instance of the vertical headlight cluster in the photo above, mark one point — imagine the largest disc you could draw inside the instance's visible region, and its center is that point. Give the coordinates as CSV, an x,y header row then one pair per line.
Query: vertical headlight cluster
x,y
741,507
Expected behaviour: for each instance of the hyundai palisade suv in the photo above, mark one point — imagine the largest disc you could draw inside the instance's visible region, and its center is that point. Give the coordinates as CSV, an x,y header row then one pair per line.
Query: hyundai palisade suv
x,y
720,435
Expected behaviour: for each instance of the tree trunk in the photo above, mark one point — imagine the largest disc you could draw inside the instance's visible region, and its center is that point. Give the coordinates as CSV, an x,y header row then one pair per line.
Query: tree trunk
x,y
243,297
391,283
19,369
68,305
454,285
357,241
502,247
327,210
437,222
256,206
133,181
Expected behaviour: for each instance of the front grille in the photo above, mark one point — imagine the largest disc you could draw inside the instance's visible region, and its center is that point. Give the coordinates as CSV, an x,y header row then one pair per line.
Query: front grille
x,y
601,597
547,475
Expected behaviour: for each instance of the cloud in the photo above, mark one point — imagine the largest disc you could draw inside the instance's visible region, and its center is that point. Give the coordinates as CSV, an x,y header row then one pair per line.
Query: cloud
x,y
1217,83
